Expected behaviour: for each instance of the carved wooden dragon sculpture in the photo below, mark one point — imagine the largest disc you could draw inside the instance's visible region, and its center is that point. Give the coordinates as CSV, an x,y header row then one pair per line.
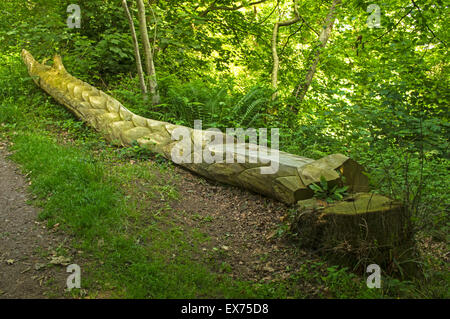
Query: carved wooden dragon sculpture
x,y
289,183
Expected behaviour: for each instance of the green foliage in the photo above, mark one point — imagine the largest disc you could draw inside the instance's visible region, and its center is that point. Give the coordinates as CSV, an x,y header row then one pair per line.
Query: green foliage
x,y
335,281
325,192
107,57
86,202
135,151
216,106
195,101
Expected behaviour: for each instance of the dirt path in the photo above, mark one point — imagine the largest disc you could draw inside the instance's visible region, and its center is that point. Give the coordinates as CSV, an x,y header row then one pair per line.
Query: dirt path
x,y
27,248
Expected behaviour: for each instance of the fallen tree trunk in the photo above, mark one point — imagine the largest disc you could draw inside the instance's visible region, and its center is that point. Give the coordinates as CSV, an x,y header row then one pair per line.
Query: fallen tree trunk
x,y
288,182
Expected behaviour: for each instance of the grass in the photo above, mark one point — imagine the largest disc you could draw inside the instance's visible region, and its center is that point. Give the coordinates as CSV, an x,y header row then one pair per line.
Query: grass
x,y
131,238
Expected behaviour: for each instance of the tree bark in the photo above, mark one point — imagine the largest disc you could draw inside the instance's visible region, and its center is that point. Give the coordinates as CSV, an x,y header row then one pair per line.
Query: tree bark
x,y
148,55
303,86
136,50
276,60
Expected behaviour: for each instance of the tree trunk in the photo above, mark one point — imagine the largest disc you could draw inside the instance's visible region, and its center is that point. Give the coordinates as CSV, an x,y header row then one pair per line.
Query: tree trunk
x,y
148,55
136,50
276,60
303,87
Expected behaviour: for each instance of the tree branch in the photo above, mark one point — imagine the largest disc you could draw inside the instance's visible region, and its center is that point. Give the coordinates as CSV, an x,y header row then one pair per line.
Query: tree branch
x,y
270,14
395,26
420,11
311,28
276,60
304,85
212,7
289,37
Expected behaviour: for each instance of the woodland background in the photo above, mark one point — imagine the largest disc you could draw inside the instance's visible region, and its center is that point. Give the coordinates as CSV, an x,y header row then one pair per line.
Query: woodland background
x,y
378,95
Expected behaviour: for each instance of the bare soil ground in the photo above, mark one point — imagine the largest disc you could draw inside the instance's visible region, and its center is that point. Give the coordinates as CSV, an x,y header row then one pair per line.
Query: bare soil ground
x,y
28,251
244,228
242,225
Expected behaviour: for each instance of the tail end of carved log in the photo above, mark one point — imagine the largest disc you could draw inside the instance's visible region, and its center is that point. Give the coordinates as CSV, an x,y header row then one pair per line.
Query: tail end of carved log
x,y
32,63
36,69
28,59
57,64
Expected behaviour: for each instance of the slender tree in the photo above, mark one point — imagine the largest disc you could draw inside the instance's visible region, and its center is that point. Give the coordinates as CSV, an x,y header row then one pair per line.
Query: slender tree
x,y
136,50
148,55
304,85
276,61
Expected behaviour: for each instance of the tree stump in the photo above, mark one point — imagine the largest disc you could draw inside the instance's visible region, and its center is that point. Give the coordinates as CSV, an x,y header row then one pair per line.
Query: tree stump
x,y
361,230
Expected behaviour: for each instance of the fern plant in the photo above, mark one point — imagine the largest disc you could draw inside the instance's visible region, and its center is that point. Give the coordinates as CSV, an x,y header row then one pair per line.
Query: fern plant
x,y
215,106
250,107
330,195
